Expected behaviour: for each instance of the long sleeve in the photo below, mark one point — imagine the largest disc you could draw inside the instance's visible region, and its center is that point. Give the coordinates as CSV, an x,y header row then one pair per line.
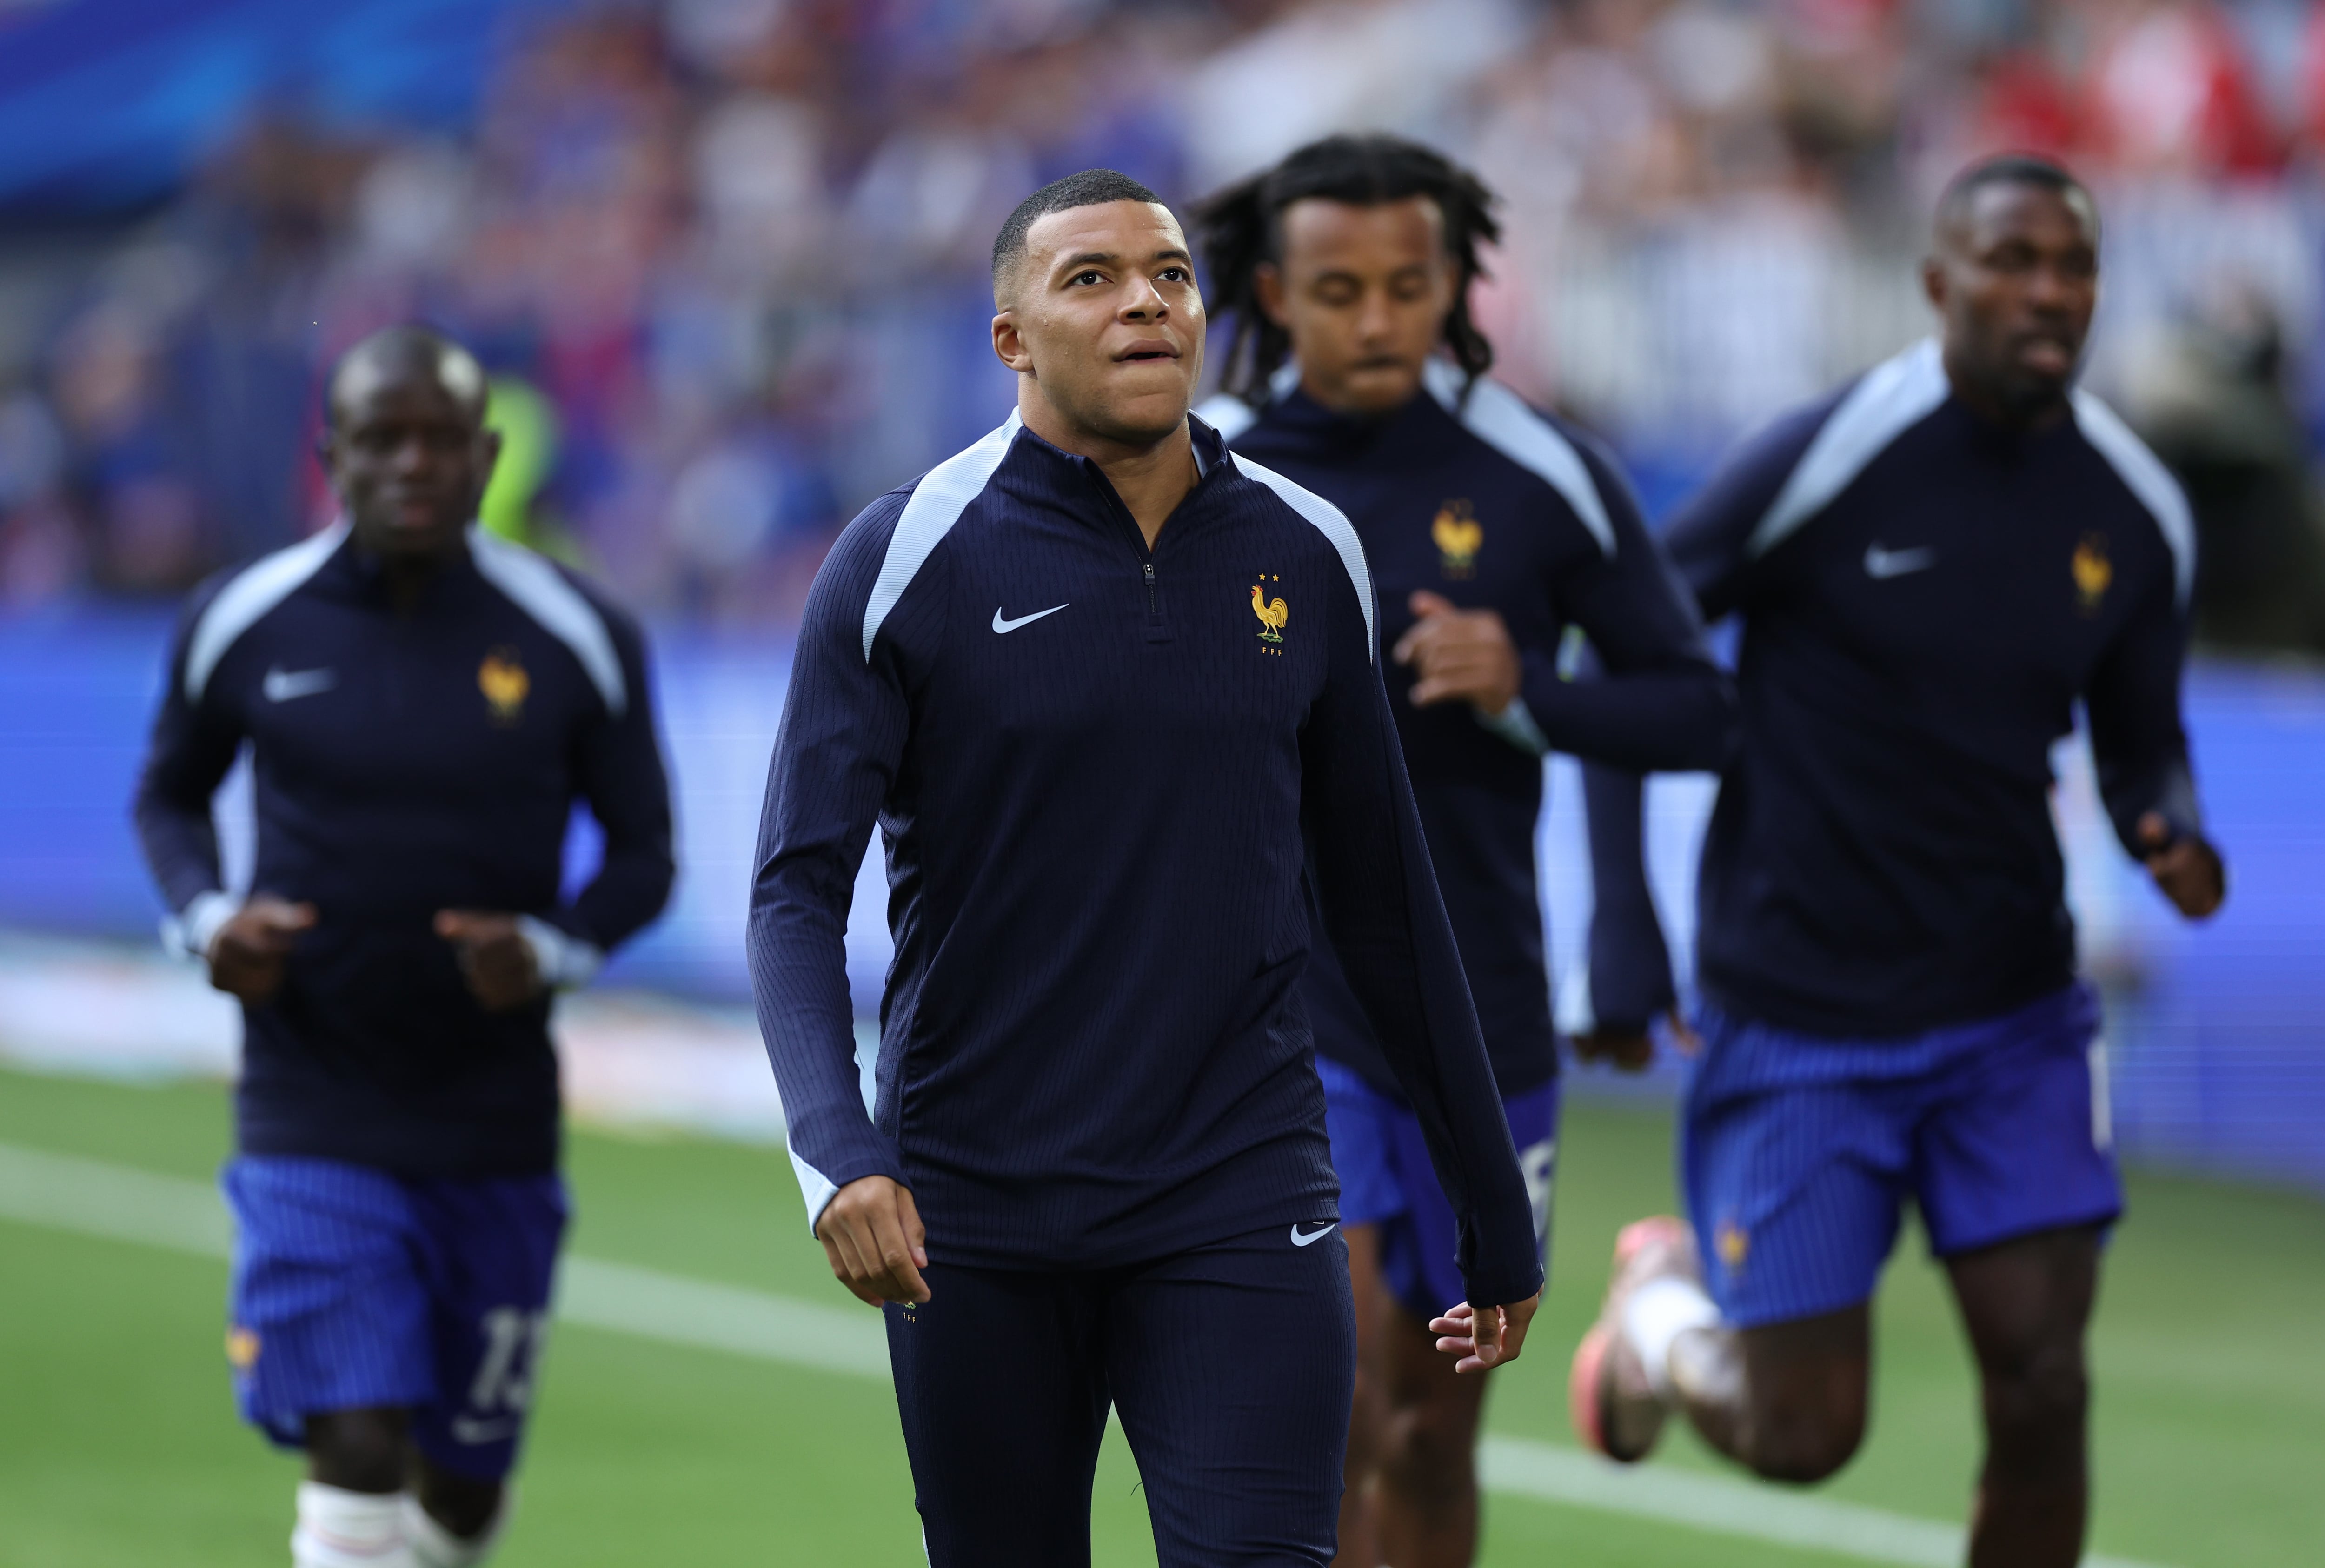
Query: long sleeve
x,y
1658,702
1380,904
193,745
837,754
2138,739
1706,547
621,775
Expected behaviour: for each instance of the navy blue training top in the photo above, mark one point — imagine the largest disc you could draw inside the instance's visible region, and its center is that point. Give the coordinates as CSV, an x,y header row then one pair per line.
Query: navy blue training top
x,y
1925,597
1093,767
1467,492
407,761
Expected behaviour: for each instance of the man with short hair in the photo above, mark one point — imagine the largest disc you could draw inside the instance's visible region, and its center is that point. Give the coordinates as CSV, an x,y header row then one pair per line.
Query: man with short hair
x,y
423,704
1933,567
1109,692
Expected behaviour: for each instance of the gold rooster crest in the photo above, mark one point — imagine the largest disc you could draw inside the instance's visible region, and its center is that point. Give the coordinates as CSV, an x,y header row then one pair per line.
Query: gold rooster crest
x,y
2092,570
1458,536
503,681
1272,612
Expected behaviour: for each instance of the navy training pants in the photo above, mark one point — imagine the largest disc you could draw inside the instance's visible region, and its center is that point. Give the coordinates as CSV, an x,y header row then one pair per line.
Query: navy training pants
x,y
1231,1366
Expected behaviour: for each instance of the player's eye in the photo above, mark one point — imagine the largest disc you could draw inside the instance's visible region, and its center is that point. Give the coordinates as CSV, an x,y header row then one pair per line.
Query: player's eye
x,y
1091,276
1173,276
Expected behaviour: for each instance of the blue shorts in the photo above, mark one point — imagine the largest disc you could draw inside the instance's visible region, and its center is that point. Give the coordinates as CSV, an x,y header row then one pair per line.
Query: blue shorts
x,y
355,1289
1799,1151
1387,1179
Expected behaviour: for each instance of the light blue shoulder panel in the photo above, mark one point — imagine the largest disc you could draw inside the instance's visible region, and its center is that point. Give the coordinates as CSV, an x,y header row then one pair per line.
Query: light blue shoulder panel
x,y
1894,397
257,588
934,506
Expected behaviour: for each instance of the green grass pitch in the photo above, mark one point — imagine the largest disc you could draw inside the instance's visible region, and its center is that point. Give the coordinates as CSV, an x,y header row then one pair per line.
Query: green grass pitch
x,y
119,1444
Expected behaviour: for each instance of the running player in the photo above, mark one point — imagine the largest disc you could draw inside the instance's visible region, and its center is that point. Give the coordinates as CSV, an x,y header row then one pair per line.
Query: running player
x,y
1933,566
1356,369
423,704
1106,688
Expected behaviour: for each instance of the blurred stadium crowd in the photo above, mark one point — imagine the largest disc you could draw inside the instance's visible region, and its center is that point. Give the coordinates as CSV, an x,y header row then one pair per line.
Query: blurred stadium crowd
x,y
727,258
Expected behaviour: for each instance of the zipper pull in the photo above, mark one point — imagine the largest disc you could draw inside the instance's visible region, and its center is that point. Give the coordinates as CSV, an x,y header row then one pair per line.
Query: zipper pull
x,y
1148,568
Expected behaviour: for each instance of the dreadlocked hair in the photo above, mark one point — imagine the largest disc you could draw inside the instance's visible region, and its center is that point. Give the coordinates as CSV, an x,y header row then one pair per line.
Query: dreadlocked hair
x,y
1242,228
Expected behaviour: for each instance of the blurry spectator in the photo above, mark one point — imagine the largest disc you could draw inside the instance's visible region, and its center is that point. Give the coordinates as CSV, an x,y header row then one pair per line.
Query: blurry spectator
x,y
727,258
2211,401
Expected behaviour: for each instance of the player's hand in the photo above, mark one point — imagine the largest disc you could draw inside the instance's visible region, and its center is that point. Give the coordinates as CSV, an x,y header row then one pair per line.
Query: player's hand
x,y
1460,656
246,955
499,963
1634,1050
1483,1337
872,1235
2187,868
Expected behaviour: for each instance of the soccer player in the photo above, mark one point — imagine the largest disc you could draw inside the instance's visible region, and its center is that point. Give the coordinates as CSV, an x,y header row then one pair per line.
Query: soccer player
x,y
1108,687
1490,529
1933,566
423,704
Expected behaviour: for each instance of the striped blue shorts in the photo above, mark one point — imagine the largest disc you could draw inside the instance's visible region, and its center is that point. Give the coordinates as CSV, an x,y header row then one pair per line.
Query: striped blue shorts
x,y
356,1289
1387,1179
1799,1152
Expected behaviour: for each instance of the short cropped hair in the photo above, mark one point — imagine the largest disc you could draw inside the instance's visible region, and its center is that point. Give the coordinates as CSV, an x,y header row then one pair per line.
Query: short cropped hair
x,y
2006,169
1090,188
405,346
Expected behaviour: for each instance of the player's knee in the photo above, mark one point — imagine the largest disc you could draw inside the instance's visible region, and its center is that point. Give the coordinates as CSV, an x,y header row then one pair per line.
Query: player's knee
x,y
1431,1451
464,1506
1803,1443
360,1450
2039,1401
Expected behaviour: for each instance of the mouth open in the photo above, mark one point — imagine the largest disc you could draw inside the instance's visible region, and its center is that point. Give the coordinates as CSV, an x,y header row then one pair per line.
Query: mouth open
x,y
1144,351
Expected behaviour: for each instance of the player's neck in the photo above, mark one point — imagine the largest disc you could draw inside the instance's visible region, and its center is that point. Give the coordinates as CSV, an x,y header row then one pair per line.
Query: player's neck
x,y
1993,407
405,574
1152,477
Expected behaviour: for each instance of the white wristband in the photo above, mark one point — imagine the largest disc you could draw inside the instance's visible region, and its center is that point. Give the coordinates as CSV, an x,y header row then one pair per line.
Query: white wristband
x,y
189,932
1515,725
563,961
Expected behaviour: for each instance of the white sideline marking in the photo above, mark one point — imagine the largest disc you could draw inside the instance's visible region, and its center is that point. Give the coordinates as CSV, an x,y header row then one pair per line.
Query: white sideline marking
x,y
95,1198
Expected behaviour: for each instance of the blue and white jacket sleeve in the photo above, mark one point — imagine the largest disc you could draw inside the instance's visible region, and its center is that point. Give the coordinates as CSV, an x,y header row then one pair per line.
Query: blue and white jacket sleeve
x,y
1378,895
193,745
1653,697
837,752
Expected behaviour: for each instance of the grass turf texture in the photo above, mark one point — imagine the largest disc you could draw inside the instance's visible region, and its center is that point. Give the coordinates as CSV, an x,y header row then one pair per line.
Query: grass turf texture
x,y
119,1444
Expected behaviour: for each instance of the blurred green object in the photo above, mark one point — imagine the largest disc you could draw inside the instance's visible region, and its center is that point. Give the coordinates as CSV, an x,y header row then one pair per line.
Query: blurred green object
x,y
527,424
118,1442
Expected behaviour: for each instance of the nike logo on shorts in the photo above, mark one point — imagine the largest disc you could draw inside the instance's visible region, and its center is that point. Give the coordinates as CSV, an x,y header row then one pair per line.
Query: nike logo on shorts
x,y
1884,563
469,1429
1301,1239
1003,623
287,685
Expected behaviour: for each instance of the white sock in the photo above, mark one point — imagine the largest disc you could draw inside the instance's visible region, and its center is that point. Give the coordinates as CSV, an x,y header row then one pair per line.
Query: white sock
x,y
338,1528
1657,1313
434,1547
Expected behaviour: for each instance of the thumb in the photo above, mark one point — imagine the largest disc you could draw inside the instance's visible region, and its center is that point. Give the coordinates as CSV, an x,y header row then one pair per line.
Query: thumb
x,y
453,924
2154,832
1485,1332
1426,604
915,1233
290,916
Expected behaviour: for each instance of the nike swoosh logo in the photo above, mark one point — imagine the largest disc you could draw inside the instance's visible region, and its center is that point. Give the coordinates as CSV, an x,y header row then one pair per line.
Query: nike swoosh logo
x,y
288,685
1300,1240
1002,623
1882,564
469,1429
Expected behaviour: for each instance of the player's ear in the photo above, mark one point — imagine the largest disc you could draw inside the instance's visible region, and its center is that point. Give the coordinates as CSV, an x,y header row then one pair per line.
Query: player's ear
x,y
1933,281
488,447
1267,287
1009,342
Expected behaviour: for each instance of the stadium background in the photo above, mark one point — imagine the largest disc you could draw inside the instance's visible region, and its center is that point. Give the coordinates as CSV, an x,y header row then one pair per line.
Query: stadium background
x,y
725,259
